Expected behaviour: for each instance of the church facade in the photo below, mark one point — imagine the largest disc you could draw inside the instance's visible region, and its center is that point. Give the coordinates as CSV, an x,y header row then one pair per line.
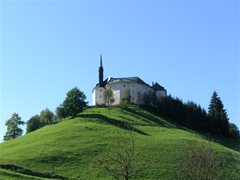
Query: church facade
x,y
136,86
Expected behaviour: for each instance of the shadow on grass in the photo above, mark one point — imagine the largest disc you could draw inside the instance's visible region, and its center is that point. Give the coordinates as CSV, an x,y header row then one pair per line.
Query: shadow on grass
x,y
148,118
114,122
30,172
231,143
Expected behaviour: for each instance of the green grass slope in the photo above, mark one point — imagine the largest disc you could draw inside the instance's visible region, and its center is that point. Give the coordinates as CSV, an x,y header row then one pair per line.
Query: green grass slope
x,y
76,144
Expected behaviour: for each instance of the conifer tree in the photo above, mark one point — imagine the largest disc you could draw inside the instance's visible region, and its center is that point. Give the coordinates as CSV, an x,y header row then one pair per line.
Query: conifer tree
x,y
13,129
219,121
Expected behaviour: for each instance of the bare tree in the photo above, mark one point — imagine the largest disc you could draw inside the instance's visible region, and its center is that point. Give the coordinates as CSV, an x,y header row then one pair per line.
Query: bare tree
x,y
200,163
108,96
120,161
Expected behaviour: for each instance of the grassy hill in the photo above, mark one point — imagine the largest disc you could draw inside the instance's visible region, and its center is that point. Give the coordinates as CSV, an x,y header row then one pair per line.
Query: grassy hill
x,y
76,143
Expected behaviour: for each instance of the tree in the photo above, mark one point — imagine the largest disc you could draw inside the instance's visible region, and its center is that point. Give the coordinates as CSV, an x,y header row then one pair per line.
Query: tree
x,y
13,129
234,131
73,104
127,96
125,101
47,117
34,123
108,96
112,100
147,99
120,161
138,98
218,115
200,163
61,112
153,99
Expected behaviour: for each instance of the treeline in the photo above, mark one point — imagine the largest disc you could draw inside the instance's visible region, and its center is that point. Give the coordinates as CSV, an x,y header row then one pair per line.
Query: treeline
x,y
193,116
189,114
73,104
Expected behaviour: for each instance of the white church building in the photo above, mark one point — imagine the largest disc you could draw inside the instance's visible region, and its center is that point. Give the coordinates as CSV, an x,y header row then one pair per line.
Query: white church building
x,y
135,85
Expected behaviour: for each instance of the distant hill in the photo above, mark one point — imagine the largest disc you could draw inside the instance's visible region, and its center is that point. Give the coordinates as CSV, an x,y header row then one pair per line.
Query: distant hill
x,y
76,143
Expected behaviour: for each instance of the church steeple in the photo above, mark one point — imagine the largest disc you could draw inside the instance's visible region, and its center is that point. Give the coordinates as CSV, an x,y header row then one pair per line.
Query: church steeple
x,y
100,70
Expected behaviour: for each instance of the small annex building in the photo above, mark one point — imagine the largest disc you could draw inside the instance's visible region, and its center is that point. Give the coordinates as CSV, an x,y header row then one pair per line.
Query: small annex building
x,y
135,85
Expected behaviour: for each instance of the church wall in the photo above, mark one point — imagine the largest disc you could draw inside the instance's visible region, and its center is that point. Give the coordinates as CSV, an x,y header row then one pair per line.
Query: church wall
x,y
98,96
119,88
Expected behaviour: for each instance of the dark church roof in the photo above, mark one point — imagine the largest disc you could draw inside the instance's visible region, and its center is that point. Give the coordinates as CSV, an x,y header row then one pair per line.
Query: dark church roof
x,y
157,87
127,79
109,80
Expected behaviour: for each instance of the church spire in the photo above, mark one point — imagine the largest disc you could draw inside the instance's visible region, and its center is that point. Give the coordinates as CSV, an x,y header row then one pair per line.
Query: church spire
x,y
100,60
100,70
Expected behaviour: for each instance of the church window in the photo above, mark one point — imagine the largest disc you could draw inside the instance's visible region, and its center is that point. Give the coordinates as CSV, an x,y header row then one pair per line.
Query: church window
x,y
100,96
124,85
100,90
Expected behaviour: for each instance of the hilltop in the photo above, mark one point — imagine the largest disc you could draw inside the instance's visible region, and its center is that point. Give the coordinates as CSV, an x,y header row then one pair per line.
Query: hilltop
x,y
76,143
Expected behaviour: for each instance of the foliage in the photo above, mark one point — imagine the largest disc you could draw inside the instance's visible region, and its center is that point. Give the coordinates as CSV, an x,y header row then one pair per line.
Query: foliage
x,y
218,116
73,104
127,96
195,117
120,161
60,112
138,98
125,101
13,129
147,99
200,163
234,131
34,123
47,117
108,96
188,114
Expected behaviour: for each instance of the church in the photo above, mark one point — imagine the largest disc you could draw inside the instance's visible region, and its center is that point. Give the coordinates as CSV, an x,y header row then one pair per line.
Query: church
x,y
137,87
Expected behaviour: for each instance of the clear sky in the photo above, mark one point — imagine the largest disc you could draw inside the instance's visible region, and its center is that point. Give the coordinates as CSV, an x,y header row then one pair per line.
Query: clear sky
x,y
48,47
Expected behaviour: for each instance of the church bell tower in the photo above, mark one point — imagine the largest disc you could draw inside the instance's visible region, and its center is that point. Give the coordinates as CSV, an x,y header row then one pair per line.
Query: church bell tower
x,y
100,70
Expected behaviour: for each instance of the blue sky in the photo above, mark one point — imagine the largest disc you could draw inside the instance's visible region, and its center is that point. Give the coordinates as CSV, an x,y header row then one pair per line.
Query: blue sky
x,y
48,47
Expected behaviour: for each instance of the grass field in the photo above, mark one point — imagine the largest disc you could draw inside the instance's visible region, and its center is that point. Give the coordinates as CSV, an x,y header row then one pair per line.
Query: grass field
x,y
75,144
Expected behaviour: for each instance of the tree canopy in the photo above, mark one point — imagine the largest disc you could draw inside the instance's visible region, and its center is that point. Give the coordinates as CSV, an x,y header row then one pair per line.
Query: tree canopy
x,y
46,117
13,129
73,104
108,96
34,123
219,121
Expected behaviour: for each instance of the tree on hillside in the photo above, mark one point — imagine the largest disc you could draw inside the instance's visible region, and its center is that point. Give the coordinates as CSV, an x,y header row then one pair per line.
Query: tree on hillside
x,y
60,112
125,101
200,163
34,123
120,161
234,131
73,104
13,129
127,96
218,115
138,98
147,99
108,96
47,117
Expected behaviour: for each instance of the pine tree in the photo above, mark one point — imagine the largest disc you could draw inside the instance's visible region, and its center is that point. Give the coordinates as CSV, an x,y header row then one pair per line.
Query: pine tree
x,y
219,122
13,130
